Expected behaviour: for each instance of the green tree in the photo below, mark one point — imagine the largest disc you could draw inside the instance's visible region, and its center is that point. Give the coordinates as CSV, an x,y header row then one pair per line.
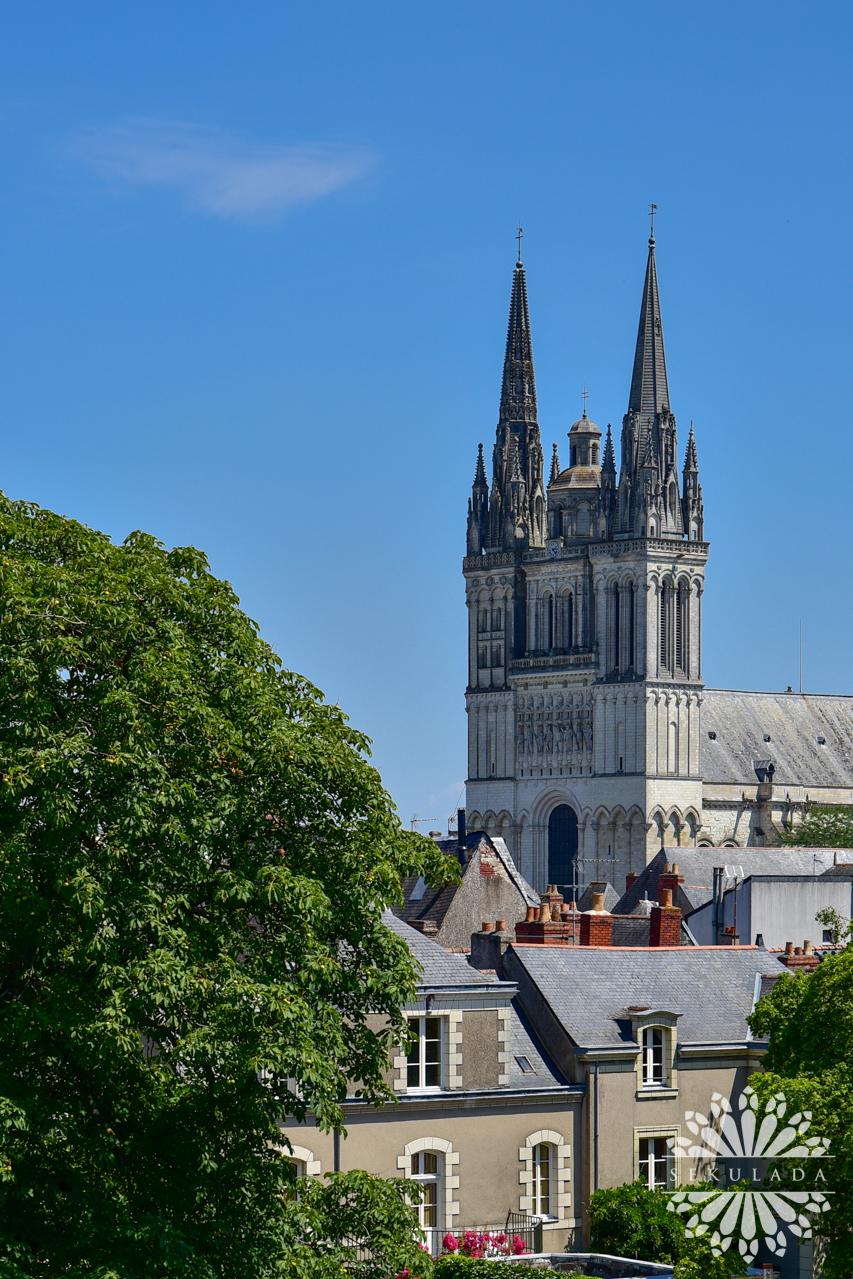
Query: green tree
x,y
809,1021
823,827
633,1221
194,857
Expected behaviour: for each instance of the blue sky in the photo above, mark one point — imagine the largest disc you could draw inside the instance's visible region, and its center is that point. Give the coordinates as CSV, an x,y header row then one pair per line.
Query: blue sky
x,y
253,291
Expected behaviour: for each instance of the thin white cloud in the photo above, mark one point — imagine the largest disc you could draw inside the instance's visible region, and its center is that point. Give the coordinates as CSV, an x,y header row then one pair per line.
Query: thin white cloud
x,y
217,172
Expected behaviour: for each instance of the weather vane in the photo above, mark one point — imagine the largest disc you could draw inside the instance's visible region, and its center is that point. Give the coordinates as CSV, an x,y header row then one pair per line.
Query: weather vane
x,y
519,237
584,397
654,209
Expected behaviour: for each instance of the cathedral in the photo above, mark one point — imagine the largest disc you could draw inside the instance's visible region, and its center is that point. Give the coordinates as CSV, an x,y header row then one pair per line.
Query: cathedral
x,y
592,739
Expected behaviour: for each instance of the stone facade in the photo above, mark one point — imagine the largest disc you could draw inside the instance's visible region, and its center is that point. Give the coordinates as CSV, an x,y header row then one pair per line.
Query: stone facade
x,y
592,740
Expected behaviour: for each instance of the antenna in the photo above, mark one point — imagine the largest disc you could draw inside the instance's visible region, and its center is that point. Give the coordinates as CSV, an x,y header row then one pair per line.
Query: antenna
x,y
519,236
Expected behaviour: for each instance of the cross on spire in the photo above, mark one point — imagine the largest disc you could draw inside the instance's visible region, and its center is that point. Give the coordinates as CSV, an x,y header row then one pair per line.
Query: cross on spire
x,y
519,236
584,397
654,209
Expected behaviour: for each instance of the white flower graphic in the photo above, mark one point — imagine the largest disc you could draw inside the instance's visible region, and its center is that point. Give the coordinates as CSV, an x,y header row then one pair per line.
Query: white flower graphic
x,y
748,1214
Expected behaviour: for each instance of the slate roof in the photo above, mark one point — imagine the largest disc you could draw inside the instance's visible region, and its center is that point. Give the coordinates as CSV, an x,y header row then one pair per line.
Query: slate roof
x,y
589,988
697,867
611,896
441,968
523,1042
794,722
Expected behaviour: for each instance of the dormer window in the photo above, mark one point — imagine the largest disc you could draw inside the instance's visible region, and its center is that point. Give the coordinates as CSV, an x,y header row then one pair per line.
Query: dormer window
x,y
423,1063
653,1057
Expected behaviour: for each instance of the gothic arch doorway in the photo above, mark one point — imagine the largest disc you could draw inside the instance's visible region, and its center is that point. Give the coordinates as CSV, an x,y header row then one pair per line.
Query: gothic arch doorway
x,y
563,850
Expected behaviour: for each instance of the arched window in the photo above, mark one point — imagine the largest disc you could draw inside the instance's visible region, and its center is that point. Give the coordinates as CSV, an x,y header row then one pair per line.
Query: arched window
x,y
542,1179
664,627
548,623
563,849
426,1169
570,620
681,631
616,631
630,624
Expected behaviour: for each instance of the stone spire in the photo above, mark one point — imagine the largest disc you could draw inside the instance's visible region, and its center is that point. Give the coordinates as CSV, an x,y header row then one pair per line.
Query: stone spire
x,y
692,507
609,461
690,462
555,465
480,480
518,389
649,391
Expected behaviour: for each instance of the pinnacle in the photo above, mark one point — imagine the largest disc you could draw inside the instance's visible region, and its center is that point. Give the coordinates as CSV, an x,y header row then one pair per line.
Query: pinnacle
x,y
518,389
609,461
649,389
555,464
480,470
690,462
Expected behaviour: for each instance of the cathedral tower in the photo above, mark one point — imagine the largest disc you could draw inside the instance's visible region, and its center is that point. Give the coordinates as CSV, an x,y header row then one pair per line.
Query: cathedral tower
x,y
584,600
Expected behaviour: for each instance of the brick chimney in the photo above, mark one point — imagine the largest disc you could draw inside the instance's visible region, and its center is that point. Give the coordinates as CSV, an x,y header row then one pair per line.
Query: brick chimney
x,y
800,958
630,879
554,924
669,878
665,920
428,927
596,924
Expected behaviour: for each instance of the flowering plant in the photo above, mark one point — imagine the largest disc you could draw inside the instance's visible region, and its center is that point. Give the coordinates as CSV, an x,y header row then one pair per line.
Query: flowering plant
x,y
477,1243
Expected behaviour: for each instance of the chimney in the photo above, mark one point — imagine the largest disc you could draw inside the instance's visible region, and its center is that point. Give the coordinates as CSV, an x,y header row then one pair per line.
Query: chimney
x,y
665,921
800,958
554,924
596,924
630,879
669,878
488,946
428,927
460,828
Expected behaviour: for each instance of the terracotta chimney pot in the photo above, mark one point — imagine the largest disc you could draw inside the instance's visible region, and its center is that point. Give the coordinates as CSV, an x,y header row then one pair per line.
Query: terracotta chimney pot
x,y
487,926
666,897
798,950
789,948
675,868
666,868
598,901
500,925
544,913
808,948
532,913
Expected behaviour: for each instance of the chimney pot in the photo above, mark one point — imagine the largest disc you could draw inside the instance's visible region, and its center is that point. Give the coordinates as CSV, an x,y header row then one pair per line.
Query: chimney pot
x,y
532,914
789,948
808,948
487,926
598,901
666,897
666,868
500,925
544,912
675,868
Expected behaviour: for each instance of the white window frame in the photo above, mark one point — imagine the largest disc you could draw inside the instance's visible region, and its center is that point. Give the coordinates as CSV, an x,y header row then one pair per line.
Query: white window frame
x,y
418,1020
649,1049
561,1178
667,1137
436,1179
536,1188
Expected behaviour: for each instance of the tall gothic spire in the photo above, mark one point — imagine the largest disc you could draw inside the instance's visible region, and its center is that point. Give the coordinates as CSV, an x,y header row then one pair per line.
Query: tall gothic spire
x,y
649,390
609,462
690,462
480,480
518,390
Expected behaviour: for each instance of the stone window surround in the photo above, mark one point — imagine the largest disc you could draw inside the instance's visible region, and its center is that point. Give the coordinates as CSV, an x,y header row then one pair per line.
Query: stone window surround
x,y
666,1130
561,1172
306,1157
657,1019
449,1178
452,1077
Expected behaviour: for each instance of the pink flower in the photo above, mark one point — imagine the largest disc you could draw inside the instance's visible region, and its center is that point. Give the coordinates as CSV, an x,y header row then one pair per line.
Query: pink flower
x,y
450,1243
518,1246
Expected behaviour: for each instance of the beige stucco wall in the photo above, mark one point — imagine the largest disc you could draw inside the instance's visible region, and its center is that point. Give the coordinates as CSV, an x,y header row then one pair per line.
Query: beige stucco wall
x,y
480,1141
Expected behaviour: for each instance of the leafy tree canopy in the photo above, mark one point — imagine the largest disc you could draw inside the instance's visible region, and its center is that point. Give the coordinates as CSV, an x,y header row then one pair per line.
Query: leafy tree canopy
x,y
194,857
823,828
634,1221
809,1020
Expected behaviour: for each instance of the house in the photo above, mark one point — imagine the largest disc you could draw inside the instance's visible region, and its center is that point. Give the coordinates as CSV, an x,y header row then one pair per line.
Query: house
x,y
771,894
492,888
483,1118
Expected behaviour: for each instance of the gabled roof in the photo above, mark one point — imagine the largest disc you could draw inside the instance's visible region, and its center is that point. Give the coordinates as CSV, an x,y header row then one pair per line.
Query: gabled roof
x,y
422,902
588,988
794,723
611,896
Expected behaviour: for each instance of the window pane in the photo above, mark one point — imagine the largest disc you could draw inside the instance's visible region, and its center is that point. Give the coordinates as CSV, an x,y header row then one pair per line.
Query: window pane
x,y
543,1171
644,1161
430,1204
430,1163
413,1059
432,1052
